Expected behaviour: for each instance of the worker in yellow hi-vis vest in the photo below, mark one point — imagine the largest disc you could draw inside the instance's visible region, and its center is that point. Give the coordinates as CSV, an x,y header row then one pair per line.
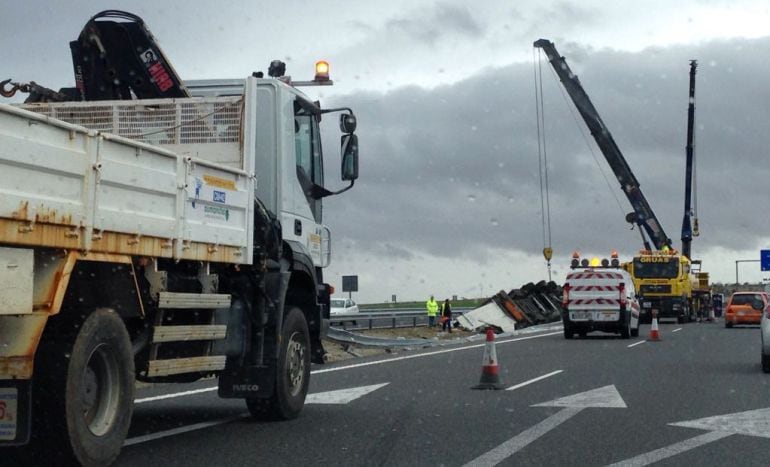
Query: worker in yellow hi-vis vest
x,y
432,307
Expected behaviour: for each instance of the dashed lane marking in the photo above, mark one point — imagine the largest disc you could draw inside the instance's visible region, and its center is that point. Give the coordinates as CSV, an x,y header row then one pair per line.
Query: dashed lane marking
x,y
534,380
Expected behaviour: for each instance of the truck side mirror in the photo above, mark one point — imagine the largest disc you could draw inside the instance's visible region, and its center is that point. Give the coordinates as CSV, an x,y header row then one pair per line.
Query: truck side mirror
x,y
347,123
349,151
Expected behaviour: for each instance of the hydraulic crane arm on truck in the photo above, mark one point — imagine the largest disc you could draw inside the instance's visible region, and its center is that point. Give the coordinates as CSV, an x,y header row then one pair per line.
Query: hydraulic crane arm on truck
x,y
114,57
664,279
643,215
688,231
136,244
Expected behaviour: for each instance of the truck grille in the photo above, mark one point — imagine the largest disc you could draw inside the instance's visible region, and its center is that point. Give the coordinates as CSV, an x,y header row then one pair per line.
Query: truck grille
x,y
655,288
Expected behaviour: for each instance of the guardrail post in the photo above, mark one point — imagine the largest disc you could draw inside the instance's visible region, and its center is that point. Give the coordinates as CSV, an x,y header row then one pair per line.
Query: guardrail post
x,y
370,322
394,321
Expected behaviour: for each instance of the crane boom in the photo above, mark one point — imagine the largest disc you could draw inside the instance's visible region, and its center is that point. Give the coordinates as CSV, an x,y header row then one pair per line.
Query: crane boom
x,y
687,231
643,215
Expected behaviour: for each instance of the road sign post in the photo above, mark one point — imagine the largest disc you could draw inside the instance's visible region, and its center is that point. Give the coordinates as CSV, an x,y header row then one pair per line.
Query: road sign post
x,y
350,285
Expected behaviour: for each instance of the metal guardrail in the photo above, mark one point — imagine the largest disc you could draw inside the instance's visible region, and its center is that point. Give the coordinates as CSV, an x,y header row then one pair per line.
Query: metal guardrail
x,y
386,318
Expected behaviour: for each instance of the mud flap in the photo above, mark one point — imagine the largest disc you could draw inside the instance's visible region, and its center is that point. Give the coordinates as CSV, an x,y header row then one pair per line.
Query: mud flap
x,y
15,411
247,381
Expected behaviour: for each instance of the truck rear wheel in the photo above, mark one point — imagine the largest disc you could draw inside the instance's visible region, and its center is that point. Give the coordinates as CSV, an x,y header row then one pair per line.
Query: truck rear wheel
x,y
293,373
568,332
83,399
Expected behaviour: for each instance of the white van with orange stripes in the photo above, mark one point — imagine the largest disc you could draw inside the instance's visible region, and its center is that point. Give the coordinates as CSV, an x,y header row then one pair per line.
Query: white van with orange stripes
x,y
599,298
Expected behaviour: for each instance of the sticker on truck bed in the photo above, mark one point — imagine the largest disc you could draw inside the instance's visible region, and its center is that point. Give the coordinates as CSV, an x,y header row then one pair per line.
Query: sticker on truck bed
x,y
8,402
219,182
219,197
215,212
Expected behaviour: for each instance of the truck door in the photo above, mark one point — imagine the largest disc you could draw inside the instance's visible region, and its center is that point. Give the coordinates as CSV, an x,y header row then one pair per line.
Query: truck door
x,y
305,219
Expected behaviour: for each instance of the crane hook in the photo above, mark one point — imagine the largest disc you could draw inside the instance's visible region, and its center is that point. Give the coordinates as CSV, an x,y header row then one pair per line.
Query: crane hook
x,y
14,87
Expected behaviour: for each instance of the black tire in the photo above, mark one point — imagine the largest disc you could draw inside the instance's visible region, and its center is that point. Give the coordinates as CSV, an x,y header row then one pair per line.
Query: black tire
x,y
293,373
568,332
728,324
766,363
635,332
83,398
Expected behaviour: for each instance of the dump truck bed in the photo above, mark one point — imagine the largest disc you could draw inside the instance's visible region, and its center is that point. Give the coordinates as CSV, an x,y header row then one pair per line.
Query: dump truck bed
x,y
66,186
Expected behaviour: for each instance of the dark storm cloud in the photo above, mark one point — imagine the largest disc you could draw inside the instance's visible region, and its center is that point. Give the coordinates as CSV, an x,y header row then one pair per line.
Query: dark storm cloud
x,y
453,171
564,17
431,25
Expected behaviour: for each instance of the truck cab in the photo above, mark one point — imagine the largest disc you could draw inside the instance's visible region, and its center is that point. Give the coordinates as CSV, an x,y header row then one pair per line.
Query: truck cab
x,y
599,296
665,282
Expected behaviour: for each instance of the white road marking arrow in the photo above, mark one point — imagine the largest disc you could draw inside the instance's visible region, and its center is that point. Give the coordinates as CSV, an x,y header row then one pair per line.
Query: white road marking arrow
x,y
604,397
750,423
342,396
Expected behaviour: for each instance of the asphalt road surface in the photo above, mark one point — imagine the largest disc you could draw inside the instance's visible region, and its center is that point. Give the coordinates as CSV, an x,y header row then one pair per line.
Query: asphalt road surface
x,y
697,397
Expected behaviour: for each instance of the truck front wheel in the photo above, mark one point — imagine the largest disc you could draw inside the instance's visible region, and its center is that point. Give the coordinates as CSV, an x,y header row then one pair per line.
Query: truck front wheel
x,y
83,399
293,372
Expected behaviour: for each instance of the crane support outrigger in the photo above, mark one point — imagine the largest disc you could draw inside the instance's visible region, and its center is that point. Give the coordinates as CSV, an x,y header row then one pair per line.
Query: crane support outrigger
x,y
643,215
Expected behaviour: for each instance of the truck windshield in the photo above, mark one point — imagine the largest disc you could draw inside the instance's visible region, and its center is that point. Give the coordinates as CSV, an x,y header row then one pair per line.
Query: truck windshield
x,y
667,270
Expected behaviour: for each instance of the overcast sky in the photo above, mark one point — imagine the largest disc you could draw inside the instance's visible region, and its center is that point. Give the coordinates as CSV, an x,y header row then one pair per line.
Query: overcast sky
x,y
449,196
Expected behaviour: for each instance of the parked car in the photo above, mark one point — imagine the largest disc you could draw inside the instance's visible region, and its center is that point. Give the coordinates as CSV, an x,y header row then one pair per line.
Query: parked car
x,y
745,308
343,306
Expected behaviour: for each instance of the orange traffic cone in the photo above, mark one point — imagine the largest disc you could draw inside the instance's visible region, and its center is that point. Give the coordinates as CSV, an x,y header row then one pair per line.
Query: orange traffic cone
x,y
490,372
654,333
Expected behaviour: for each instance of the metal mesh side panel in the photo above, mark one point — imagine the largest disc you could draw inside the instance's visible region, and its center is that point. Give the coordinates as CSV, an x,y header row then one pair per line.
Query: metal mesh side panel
x,y
155,121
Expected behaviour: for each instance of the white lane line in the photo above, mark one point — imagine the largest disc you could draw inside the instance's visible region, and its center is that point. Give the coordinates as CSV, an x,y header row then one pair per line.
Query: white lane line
x,y
177,394
517,443
356,365
198,426
636,343
534,380
677,329
672,450
343,396
183,429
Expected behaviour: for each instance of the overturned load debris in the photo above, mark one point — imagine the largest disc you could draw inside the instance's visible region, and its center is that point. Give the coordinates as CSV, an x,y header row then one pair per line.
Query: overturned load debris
x,y
531,304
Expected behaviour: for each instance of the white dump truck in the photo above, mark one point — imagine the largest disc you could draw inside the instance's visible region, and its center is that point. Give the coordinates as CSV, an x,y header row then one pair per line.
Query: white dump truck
x,y
161,240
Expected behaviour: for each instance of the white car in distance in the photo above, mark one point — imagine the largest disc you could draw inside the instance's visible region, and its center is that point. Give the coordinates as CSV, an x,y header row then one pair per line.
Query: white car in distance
x,y
343,306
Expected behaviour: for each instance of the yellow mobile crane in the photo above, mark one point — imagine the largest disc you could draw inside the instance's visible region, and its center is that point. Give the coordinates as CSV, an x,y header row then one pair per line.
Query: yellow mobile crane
x,y
664,279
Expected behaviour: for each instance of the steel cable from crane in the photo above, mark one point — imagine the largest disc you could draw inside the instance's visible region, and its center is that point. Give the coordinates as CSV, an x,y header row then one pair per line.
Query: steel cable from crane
x,y
579,126
542,154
